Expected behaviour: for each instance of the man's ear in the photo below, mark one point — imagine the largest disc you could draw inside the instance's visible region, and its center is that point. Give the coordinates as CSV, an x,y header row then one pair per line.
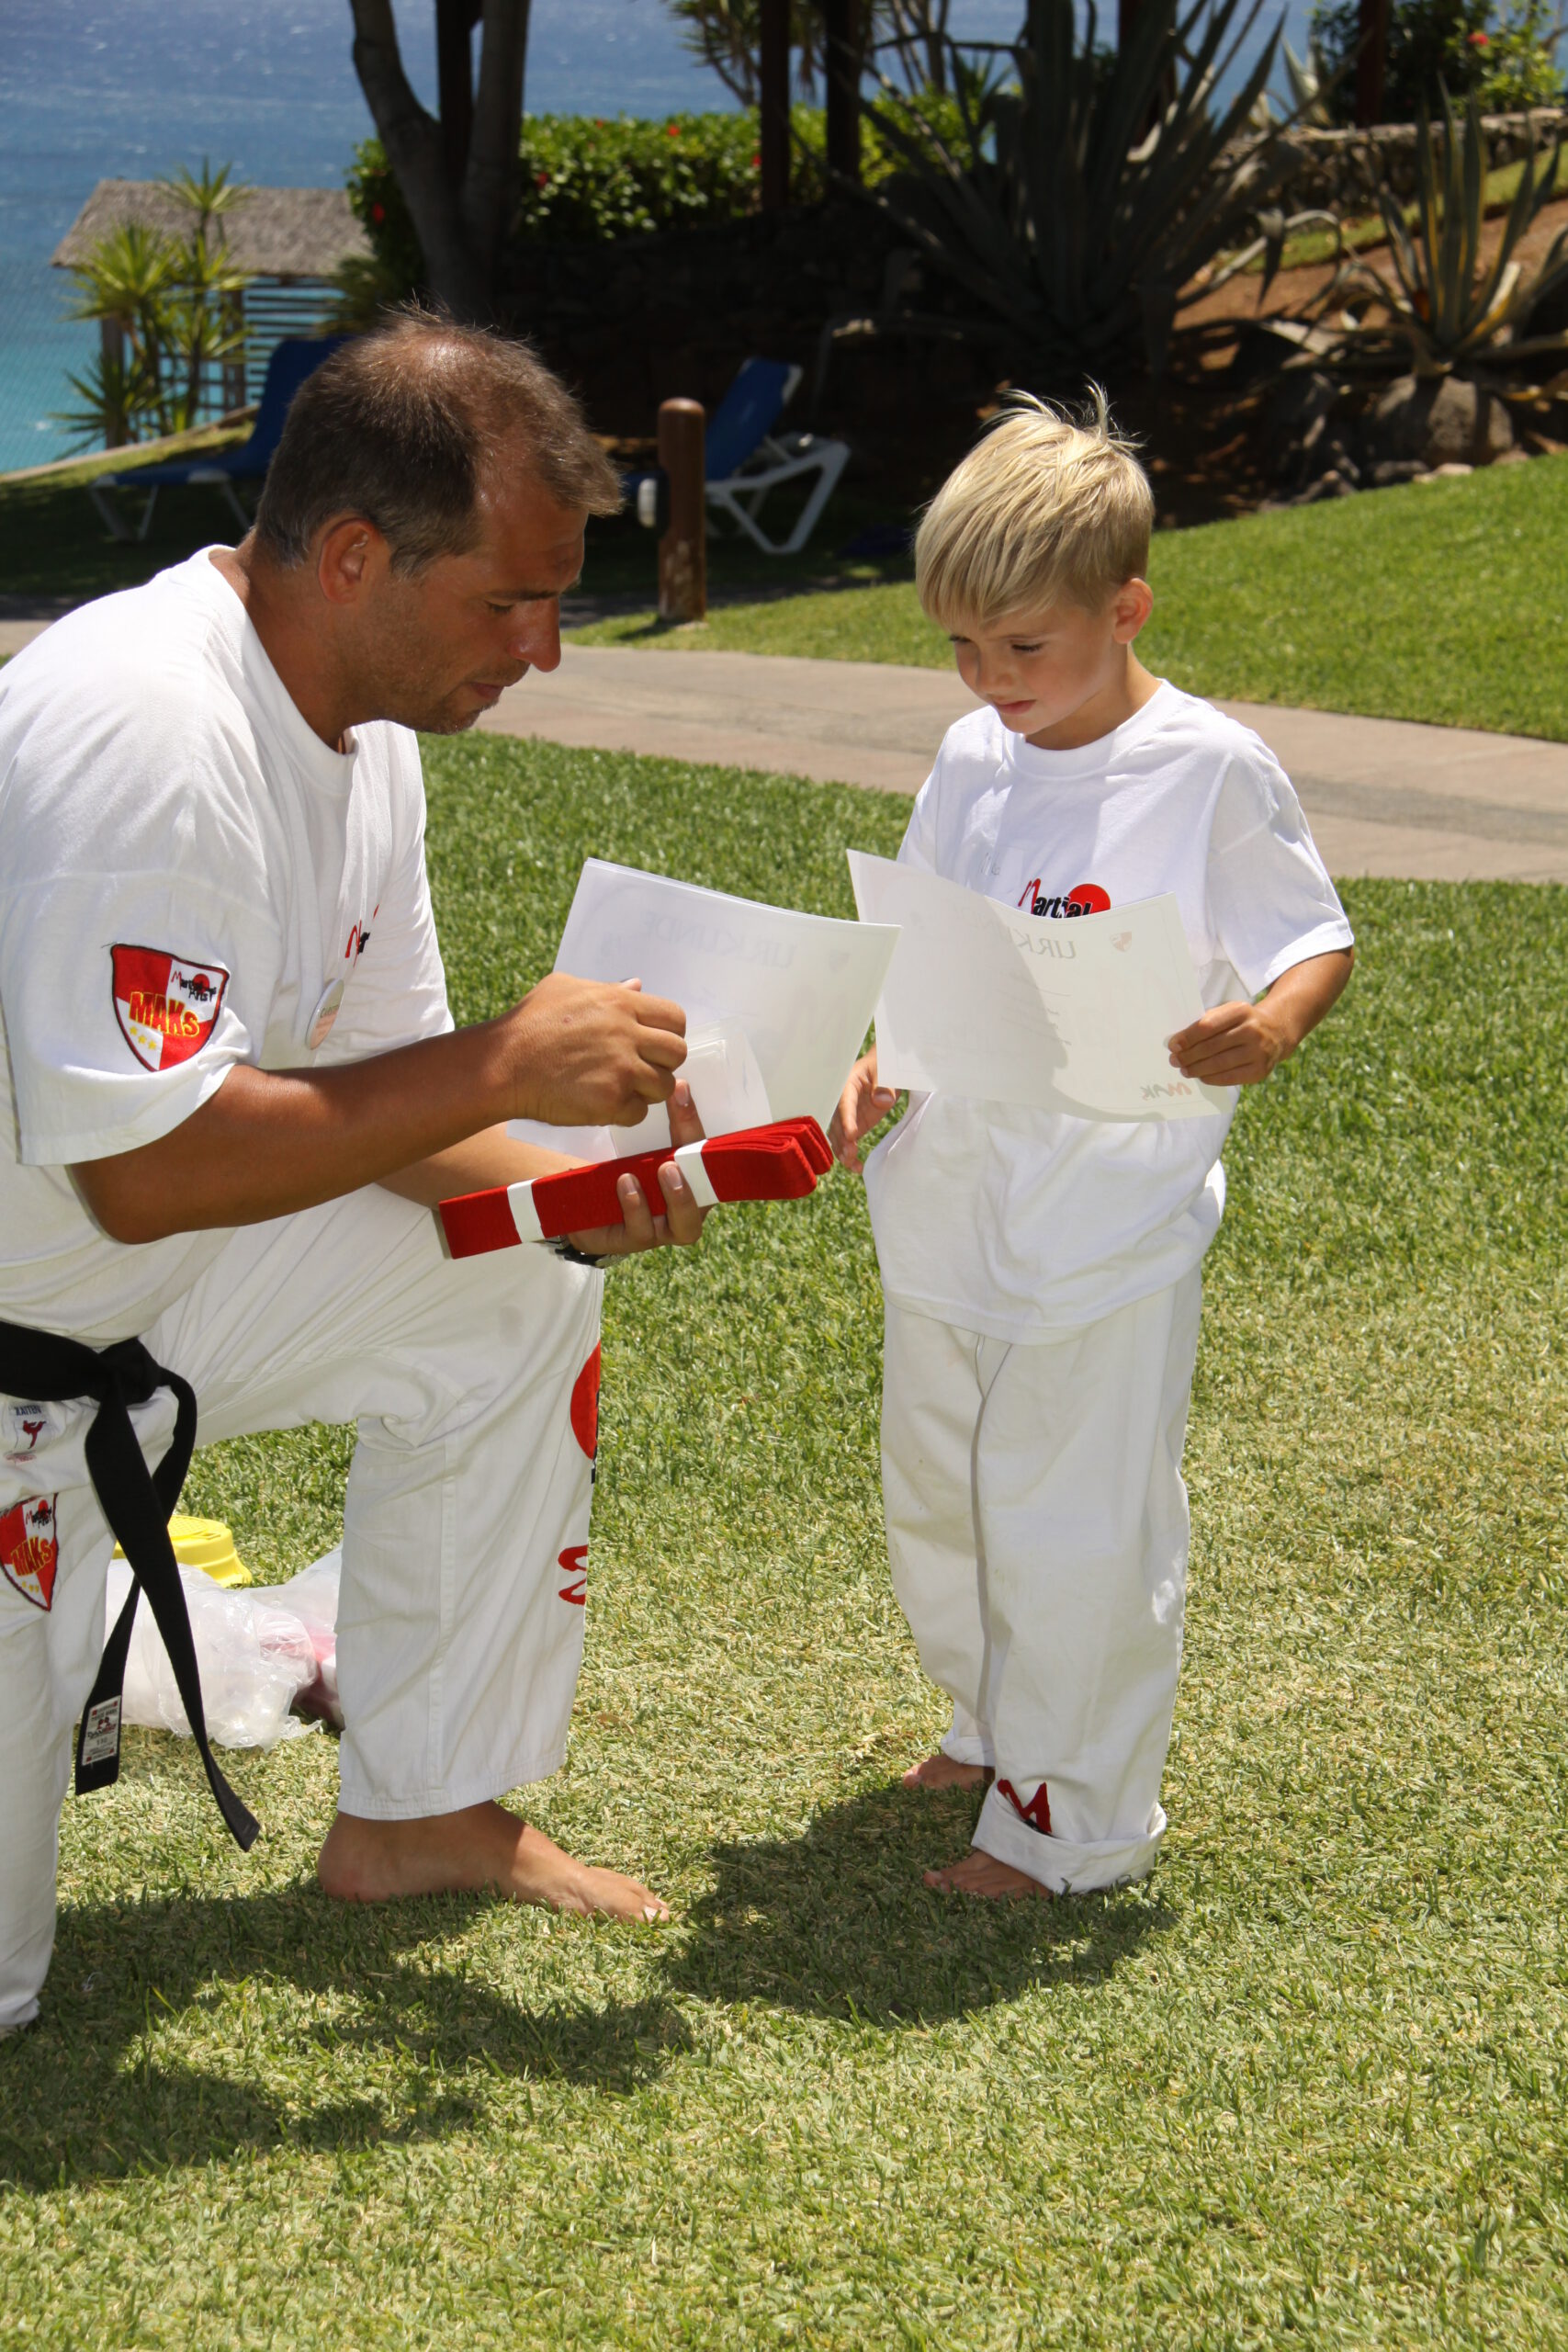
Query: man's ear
x,y
350,555
1130,608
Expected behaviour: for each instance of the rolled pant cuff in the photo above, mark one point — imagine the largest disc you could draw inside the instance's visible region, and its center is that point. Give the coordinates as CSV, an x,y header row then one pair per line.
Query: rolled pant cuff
x,y
966,1748
366,1804
1057,1863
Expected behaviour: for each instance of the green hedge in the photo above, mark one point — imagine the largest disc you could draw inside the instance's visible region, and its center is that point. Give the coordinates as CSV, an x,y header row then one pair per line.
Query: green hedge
x,y
589,180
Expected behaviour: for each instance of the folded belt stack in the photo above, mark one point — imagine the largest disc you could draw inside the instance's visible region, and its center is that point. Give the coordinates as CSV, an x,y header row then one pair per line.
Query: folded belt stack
x,y
779,1162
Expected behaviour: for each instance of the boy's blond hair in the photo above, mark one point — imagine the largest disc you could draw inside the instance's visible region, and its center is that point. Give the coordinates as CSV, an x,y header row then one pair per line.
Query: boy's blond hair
x,y
1042,511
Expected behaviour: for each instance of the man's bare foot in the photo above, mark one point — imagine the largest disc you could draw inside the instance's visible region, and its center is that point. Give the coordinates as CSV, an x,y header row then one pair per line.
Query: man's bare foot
x,y
980,1873
939,1771
481,1847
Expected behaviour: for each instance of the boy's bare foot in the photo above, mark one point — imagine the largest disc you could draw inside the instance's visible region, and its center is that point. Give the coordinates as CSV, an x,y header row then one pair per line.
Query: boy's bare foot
x,y
939,1771
481,1847
980,1873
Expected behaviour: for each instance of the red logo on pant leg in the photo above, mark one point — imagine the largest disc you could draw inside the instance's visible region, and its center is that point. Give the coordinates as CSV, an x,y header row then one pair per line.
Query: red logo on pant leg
x,y
585,1405
574,1560
1037,1812
29,1548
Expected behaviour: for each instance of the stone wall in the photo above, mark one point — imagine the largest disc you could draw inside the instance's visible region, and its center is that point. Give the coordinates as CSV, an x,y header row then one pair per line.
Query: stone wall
x,y
1340,167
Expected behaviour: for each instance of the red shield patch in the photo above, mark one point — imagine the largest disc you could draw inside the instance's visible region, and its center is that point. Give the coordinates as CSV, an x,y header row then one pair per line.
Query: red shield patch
x,y
29,1548
165,1004
585,1405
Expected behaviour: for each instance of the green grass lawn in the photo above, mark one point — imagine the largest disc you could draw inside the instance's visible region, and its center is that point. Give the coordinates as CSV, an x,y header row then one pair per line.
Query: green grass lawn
x,y
1445,601
1306,2085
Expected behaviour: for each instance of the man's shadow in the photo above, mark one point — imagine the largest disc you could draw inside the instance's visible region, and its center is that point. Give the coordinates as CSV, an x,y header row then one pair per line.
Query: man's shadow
x,y
86,2093
838,1921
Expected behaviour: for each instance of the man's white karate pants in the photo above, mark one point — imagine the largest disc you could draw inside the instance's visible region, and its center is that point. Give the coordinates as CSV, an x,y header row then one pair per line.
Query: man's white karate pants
x,y
1037,1528
460,1620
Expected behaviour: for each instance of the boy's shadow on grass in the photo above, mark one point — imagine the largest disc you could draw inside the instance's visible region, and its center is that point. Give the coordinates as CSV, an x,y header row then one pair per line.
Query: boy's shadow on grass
x,y
838,1921
90,2093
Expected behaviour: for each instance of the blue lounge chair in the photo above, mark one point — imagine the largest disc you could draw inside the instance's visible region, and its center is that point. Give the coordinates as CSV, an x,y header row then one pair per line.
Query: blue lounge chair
x,y
290,363
744,460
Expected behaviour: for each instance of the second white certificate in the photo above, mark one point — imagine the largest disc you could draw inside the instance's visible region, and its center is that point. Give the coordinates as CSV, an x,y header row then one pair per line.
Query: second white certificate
x,y
1053,1016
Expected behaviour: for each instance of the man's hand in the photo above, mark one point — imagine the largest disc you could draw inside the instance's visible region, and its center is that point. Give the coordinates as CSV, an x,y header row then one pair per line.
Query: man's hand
x,y
582,1053
680,1220
862,1105
1241,1044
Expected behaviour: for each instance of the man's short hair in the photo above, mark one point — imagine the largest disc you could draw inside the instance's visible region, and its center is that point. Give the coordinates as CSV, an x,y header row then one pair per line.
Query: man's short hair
x,y
402,428
1045,510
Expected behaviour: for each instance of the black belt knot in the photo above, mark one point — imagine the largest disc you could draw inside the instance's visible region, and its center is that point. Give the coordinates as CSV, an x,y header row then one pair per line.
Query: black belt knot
x,y
136,1503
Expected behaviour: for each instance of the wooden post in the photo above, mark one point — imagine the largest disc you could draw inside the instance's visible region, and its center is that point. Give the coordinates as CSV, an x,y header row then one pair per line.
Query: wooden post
x,y
683,549
841,27
1372,63
111,342
772,104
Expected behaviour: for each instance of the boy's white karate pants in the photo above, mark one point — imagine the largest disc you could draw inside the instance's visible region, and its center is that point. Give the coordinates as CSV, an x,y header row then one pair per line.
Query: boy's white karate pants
x,y
1037,1528
460,1620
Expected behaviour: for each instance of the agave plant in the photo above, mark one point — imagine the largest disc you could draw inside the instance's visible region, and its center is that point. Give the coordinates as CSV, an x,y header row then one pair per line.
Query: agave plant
x,y
1091,186
1443,306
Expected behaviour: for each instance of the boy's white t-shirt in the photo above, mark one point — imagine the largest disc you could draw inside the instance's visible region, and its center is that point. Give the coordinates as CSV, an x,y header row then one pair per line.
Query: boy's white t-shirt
x,y
189,879
1019,1223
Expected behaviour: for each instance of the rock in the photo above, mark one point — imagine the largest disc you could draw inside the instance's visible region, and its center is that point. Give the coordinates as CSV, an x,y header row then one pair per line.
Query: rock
x,y
1393,469
1439,420
1297,424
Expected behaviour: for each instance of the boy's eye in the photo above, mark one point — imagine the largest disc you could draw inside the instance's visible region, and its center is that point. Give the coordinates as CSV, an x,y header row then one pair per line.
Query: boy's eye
x,y
1029,645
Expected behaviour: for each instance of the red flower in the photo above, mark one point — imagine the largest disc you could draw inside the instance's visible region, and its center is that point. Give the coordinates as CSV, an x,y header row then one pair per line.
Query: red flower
x,y
377,213
541,179
756,159
672,131
1479,40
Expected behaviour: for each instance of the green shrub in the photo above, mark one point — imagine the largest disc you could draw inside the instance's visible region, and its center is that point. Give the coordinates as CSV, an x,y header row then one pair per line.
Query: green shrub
x,y
588,180
1504,56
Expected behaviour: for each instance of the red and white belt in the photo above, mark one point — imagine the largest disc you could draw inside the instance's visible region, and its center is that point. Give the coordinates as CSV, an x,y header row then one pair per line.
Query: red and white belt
x,y
780,1162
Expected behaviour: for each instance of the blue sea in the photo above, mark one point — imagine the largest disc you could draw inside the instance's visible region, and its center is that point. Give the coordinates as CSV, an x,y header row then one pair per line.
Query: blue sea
x,y
91,91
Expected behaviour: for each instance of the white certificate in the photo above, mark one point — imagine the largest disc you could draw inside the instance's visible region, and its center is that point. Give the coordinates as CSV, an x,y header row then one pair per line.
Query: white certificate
x,y
1054,1014
777,1003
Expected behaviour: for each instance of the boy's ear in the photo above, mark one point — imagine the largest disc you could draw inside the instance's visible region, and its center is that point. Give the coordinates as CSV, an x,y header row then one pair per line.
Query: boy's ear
x,y
1130,608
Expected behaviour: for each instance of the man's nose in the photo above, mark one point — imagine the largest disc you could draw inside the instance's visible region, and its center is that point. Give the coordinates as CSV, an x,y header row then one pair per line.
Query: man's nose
x,y
536,638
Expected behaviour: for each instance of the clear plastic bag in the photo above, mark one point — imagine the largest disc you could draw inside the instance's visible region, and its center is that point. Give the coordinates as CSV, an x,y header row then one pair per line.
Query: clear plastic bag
x,y
313,1596
255,1659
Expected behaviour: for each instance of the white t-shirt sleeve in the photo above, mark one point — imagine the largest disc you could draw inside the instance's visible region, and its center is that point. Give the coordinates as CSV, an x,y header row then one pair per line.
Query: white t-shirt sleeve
x,y
1270,899
398,992
919,847
132,979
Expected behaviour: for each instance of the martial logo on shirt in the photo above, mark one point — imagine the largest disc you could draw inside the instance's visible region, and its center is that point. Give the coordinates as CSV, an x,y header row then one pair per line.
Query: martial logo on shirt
x,y
573,1561
29,1548
1086,898
165,1004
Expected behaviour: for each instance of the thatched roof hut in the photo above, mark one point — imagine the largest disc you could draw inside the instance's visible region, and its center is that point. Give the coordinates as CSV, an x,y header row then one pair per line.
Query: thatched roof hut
x,y
287,233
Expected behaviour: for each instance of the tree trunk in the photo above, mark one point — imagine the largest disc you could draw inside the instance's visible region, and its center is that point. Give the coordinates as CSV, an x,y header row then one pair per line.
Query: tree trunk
x,y
459,178
773,108
1372,63
843,39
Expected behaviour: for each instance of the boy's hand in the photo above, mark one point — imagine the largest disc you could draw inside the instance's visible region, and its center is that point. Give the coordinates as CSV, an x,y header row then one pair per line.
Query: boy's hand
x,y
1235,1044
1240,1045
862,1106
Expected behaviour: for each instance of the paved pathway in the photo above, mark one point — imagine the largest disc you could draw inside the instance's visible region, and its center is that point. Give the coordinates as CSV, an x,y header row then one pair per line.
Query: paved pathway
x,y
1385,796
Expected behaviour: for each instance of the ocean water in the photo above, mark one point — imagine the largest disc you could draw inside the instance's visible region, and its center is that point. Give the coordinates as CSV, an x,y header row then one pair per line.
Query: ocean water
x,y
101,89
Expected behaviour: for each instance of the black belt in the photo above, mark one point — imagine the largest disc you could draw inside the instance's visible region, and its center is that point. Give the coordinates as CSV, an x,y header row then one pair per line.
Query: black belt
x,y
137,1502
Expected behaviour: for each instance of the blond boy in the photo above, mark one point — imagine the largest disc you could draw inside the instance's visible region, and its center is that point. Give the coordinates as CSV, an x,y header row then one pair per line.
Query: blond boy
x,y
1043,1273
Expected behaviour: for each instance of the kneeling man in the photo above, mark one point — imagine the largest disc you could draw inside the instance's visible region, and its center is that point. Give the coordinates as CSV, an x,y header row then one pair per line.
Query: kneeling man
x,y
235,1091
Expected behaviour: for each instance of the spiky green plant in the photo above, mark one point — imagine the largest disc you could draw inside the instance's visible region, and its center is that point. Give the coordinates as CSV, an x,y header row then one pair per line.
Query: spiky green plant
x,y
1441,305
1091,186
175,301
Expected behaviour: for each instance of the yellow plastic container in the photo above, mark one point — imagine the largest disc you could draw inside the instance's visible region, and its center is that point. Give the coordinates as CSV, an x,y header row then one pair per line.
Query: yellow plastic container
x,y
207,1545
